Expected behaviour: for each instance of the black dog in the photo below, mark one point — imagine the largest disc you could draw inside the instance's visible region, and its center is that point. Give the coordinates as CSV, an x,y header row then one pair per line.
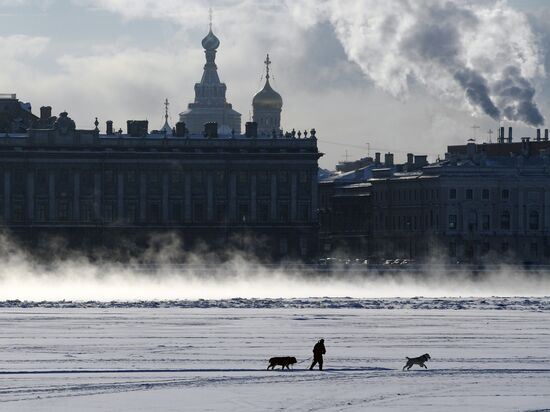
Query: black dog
x,y
284,361
418,361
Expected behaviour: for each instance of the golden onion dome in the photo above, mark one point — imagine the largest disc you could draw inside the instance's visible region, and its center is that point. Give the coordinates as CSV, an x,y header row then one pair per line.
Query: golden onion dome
x,y
210,42
267,98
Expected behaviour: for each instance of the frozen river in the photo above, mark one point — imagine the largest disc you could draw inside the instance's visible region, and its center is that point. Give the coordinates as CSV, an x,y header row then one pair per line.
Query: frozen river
x,y
214,359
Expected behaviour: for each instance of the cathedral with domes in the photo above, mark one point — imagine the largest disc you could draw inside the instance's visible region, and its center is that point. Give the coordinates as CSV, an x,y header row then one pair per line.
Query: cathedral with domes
x,y
203,180
211,106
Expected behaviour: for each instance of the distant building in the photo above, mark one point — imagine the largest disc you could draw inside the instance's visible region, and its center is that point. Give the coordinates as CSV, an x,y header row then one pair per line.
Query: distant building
x,y
267,105
210,104
202,180
482,203
15,116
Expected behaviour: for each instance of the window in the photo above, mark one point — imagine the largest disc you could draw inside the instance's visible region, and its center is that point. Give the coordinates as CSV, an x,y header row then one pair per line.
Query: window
x,y
283,212
486,222
86,211
452,194
534,249
153,212
175,211
108,212
197,183
303,212
220,187
63,210
41,211
130,212
469,194
198,211
243,213
505,220
452,222
263,211
534,220
505,194
262,182
452,249
504,247
242,184
485,194
220,212
485,248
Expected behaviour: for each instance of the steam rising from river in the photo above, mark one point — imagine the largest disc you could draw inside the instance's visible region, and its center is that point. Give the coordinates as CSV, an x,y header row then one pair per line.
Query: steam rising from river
x,y
78,278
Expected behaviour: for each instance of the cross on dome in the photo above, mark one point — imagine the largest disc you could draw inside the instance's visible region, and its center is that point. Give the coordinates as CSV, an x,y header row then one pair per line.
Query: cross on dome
x,y
267,62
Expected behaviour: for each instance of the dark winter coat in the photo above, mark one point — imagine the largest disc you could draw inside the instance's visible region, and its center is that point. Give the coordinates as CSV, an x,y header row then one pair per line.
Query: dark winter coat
x,y
319,349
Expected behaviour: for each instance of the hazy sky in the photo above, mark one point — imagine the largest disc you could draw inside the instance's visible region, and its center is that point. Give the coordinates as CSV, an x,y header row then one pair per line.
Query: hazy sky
x,y
402,75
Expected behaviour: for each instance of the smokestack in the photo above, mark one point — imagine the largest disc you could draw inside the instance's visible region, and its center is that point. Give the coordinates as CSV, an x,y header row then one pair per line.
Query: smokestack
x,y
538,135
388,159
251,129
501,135
109,127
545,135
510,135
410,158
45,112
377,158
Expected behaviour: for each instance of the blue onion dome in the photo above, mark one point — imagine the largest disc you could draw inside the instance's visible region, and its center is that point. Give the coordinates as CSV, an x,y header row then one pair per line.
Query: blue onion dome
x,y
267,98
210,42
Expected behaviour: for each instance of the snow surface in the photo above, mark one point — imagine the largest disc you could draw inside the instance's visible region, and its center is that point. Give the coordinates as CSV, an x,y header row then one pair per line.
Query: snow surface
x,y
171,357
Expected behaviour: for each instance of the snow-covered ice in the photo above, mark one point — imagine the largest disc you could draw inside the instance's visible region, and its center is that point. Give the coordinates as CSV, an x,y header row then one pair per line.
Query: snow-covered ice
x,y
488,354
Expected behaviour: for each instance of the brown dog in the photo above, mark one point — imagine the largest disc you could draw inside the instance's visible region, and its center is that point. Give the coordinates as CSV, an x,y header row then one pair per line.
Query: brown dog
x,y
284,361
418,361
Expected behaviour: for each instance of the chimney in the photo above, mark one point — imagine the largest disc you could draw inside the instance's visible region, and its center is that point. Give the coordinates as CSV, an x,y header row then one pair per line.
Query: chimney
x,y
501,135
525,146
251,129
388,159
538,135
421,160
377,158
545,135
109,127
211,130
510,135
180,129
410,158
45,112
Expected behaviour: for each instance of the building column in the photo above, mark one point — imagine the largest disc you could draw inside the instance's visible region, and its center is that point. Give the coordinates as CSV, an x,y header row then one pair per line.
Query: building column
x,y
165,197
7,195
232,197
97,195
209,197
142,197
51,196
314,196
253,197
546,210
30,196
76,197
293,195
187,199
274,196
120,196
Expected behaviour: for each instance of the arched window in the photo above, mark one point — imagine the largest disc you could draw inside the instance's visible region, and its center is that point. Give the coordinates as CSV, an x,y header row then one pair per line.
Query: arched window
x,y
505,220
534,220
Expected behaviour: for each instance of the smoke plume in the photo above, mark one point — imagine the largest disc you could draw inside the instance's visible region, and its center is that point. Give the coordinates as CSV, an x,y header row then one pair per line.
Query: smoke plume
x,y
485,55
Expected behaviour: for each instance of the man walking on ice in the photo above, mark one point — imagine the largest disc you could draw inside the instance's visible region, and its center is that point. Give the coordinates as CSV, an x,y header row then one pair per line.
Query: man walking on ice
x,y
318,352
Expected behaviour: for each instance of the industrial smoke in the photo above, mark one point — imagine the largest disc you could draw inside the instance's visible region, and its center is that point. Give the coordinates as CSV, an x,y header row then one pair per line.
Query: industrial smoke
x,y
483,54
